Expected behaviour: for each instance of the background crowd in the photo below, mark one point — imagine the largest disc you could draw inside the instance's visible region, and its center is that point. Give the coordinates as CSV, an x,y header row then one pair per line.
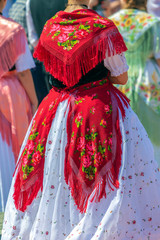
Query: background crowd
x,y
143,88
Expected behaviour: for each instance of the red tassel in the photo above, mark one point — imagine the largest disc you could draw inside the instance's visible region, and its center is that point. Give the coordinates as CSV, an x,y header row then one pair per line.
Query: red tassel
x,y
71,72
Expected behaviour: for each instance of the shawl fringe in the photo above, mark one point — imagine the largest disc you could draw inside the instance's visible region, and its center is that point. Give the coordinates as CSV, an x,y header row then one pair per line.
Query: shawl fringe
x,y
12,45
96,52
81,196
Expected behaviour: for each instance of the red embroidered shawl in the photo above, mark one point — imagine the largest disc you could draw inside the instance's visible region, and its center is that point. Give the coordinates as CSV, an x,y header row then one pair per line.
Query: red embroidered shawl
x,y
93,150
73,43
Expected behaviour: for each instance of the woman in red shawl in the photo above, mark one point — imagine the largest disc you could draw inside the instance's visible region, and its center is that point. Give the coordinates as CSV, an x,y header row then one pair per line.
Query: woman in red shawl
x,y
86,168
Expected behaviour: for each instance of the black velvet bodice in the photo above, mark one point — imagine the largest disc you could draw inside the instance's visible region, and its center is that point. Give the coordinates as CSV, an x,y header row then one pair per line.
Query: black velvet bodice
x,y
97,73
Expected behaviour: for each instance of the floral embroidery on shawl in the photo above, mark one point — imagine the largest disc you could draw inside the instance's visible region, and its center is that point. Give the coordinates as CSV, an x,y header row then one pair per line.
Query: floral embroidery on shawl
x,y
91,162
75,43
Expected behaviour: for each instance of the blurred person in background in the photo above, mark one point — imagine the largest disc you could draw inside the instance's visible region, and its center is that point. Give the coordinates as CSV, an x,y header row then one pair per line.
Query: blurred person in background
x,y
102,7
37,13
7,7
115,6
153,7
18,13
18,100
141,32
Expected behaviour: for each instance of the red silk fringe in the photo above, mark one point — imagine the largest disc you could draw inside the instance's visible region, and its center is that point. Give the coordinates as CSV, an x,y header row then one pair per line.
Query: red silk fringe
x,y
111,176
110,44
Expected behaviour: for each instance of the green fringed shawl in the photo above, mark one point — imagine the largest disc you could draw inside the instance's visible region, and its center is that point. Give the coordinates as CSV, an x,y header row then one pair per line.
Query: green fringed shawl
x,y
141,33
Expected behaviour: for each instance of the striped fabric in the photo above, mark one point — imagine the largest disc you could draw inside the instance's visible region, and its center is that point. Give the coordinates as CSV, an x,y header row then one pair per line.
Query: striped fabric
x,y
18,13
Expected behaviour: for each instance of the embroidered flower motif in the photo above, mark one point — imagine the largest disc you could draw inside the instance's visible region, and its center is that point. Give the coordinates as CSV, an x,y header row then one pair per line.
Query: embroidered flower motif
x,y
108,108
80,143
92,110
79,120
54,28
68,29
79,100
62,38
94,96
31,147
128,22
25,160
86,161
103,123
98,159
44,122
81,34
36,158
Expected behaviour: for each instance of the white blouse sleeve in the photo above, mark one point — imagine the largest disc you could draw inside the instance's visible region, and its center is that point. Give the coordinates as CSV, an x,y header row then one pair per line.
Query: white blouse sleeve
x,y
25,61
116,64
32,35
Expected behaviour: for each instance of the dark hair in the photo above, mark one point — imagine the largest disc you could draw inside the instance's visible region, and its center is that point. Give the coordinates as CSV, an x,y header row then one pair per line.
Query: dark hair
x,y
136,4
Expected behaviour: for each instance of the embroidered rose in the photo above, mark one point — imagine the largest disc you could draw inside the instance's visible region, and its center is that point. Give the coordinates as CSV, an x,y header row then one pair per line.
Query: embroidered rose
x,y
25,160
81,34
92,110
55,28
103,123
90,148
36,157
30,147
107,108
100,21
79,118
68,29
110,142
87,161
63,38
81,143
98,159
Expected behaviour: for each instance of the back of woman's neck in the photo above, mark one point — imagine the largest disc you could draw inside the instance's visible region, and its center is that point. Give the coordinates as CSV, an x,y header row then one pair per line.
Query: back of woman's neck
x,y
75,6
71,9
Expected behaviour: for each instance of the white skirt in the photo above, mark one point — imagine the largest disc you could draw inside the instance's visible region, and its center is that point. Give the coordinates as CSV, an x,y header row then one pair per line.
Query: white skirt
x,y
131,212
7,166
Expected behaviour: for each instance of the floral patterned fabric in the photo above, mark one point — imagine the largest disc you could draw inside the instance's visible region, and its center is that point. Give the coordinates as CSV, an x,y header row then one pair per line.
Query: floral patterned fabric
x,y
133,23
76,42
141,32
139,28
